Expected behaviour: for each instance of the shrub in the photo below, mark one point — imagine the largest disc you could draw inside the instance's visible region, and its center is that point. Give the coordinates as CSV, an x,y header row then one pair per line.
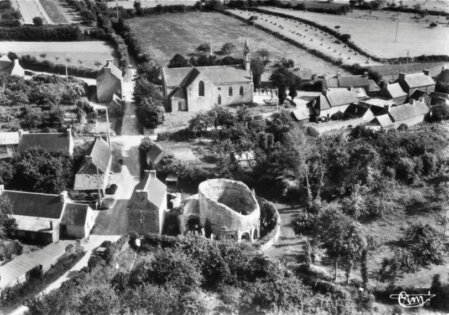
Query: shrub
x,y
38,21
405,170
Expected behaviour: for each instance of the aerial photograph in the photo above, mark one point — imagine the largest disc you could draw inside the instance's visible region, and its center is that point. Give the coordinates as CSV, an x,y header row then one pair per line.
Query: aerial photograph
x,y
209,157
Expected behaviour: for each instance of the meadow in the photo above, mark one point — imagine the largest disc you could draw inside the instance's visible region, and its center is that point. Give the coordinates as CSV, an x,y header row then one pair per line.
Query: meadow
x,y
89,54
376,31
181,33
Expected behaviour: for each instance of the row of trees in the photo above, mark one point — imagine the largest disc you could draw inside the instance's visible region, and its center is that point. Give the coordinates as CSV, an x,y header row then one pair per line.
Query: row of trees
x,y
182,276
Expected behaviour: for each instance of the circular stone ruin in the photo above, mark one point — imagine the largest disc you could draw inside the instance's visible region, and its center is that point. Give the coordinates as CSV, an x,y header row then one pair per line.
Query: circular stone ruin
x,y
229,209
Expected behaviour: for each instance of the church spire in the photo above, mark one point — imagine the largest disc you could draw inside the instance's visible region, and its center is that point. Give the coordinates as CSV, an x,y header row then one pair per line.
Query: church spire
x,y
246,56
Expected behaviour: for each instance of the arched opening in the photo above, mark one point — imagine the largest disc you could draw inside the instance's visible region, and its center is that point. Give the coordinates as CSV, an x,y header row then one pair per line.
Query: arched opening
x,y
219,100
230,91
241,91
246,237
201,88
193,225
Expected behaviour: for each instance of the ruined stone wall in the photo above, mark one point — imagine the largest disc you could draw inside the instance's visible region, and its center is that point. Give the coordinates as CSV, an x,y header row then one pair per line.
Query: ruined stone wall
x,y
228,205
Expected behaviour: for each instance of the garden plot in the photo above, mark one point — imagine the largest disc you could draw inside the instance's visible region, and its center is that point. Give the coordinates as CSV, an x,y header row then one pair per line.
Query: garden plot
x,y
376,33
89,54
309,36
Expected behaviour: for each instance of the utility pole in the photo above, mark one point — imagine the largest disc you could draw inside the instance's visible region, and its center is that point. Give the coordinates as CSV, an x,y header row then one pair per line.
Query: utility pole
x,y
66,71
116,8
211,50
397,30
109,131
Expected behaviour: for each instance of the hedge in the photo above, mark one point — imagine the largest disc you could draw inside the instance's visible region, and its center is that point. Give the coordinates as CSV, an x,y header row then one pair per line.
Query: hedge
x,y
42,33
31,63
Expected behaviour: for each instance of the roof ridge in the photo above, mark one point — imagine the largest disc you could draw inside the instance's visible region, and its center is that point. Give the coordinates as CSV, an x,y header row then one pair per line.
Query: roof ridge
x,y
30,192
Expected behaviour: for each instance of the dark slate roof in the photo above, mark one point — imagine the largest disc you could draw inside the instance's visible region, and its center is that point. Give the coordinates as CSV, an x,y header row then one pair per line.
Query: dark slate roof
x,y
98,157
155,153
407,111
373,86
354,111
75,214
383,120
51,142
35,204
6,65
347,81
217,74
443,77
395,90
414,80
116,72
155,188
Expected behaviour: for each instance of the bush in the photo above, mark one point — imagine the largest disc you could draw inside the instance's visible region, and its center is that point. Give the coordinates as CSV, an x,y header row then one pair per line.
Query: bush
x,y
38,21
43,33
405,170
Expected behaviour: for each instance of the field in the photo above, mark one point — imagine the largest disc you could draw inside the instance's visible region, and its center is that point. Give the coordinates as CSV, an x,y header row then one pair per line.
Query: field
x,y
376,33
54,12
90,54
30,9
168,34
308,36
391,72
151,3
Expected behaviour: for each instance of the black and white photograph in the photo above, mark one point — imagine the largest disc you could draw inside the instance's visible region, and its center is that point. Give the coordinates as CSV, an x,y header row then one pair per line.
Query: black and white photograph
x,y
224,157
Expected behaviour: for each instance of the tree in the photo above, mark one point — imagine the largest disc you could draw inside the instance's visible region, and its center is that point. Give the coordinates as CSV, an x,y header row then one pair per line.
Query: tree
x,y
150,113
227,48
342,238
138,7
257,69
264,54
178,61
424,244
7,222
203,48
283,78
38,21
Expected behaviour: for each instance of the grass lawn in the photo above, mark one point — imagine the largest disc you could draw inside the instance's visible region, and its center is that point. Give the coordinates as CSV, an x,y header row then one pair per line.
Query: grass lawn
x,y
54,12
168,34
376,32
88,54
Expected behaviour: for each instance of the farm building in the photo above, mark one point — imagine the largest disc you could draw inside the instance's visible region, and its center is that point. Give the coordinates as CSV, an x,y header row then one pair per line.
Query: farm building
x,y
408,114
393,92
416,81
109,82
148,205
199,88
331,102
39,216
351,81
77,221
93,174
9,67
51,142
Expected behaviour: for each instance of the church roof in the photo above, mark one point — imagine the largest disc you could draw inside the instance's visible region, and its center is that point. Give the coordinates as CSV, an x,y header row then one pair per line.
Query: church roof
x,y
217,74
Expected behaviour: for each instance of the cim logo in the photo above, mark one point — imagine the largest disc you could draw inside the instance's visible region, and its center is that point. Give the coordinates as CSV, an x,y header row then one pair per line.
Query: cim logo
x,y
412,300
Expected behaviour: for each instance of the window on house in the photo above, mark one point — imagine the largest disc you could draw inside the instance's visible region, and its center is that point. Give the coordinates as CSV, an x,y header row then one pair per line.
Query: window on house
x,y
241,91
219,100
201,88
230,91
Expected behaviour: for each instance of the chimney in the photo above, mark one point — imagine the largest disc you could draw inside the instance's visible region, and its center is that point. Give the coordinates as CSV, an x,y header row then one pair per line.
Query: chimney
x,y
422,99
325,92
109,62
444,68
20,132
384,84
426,72
150,173
16,62
2,188
68,131
365,74
402,76
63,196
412,102
51,225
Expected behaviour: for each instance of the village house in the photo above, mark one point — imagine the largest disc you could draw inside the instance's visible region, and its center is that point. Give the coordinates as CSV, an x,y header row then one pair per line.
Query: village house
x,y
93,174
408,114
9,67
77,221
154,155
51,142
39,216
378,106
411,82
331,102
194,89
148,205
109,82
359,114
393,92
351,81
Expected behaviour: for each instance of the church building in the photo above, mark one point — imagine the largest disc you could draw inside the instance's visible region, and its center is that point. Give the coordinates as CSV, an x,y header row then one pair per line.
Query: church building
x,y
192,89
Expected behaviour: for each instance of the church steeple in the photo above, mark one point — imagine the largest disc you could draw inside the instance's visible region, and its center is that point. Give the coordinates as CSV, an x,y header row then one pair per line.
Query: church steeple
x,y
246,56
